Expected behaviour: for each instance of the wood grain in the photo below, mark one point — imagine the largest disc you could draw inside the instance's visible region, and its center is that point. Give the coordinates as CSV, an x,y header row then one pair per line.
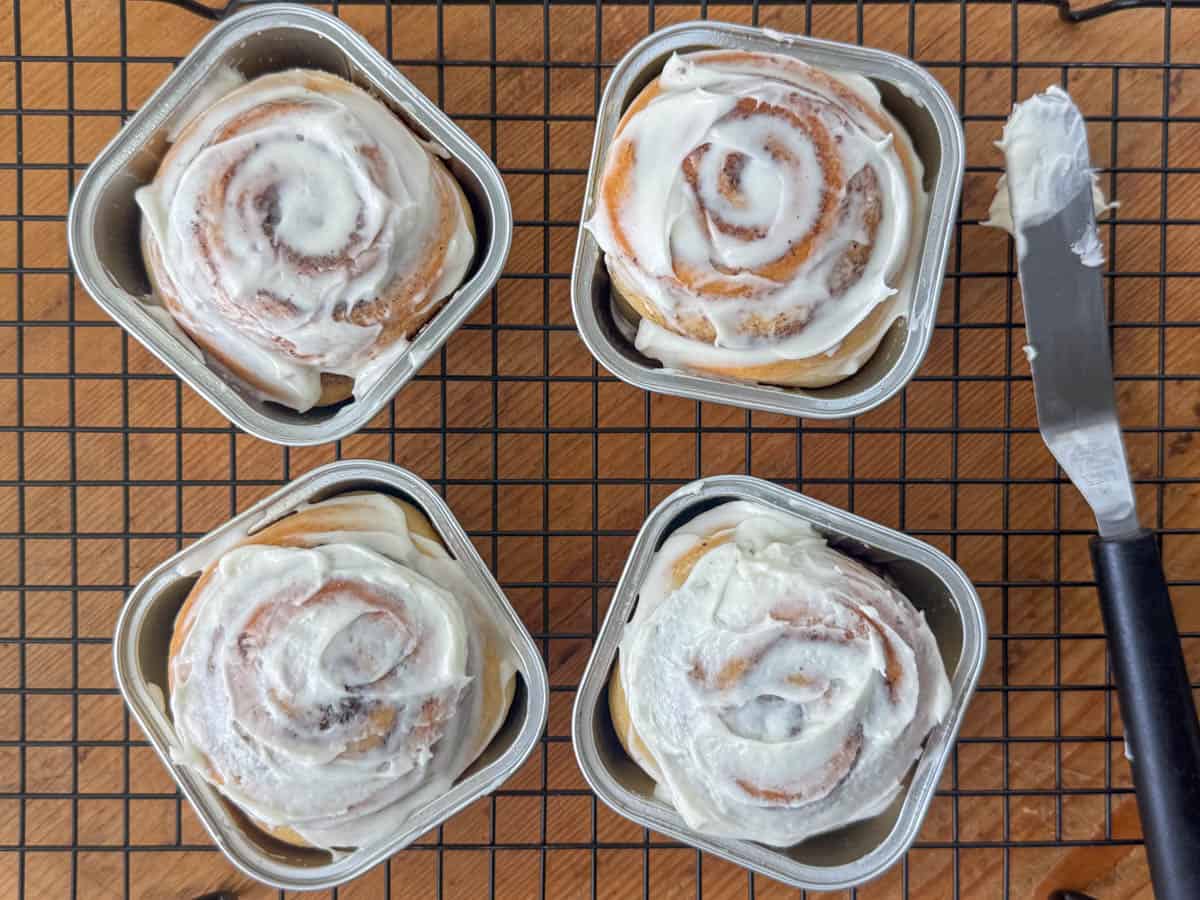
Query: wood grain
x,y
108,465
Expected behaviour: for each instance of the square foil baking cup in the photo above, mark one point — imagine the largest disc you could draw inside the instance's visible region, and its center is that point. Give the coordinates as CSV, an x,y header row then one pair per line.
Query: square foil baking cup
x,y
912,95
104,221
140,652
858,852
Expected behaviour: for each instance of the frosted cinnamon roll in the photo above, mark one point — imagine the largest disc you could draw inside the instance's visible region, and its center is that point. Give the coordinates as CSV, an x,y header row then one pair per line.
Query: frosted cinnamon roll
x,y
757,215
300,234
771,686
336,671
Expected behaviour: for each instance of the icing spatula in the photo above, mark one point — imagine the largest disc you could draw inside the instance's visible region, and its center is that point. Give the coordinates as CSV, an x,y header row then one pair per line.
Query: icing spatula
x,y
1060,257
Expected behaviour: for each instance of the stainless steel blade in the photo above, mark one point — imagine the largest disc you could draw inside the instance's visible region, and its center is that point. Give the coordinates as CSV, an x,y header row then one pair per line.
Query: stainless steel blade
x,y
1065,321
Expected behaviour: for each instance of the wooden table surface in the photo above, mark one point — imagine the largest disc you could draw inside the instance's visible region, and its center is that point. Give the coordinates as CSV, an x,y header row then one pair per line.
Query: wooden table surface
x,y
108,465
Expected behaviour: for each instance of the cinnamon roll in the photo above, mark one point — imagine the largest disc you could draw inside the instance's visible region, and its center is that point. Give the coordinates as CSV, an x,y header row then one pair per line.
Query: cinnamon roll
x,y
300,234
757,215
771,686
336,671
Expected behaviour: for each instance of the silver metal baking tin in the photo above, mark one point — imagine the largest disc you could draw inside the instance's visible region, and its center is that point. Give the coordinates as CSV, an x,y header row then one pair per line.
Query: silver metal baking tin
x,y
912,95
104,220
858,852
143,635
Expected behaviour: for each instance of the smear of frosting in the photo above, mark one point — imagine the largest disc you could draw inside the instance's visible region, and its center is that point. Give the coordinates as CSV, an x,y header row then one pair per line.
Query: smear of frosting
x,y
1046,165
783,690
1000,209
1088,248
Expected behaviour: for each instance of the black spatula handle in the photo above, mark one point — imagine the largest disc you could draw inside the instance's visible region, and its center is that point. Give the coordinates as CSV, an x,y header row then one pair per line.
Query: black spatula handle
x,y
1161,730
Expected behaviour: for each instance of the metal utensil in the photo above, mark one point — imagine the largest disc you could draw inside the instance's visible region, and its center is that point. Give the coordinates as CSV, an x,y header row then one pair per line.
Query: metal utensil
x,y
1050,187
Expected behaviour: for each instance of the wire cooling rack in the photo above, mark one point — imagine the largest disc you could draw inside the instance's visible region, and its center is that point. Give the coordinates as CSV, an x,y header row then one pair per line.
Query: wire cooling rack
x,y
108,465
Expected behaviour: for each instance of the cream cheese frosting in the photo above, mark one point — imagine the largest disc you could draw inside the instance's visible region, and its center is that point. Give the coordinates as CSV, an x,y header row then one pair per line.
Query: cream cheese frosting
x,y
1046,165
678,215
783,690
329,204
1000,209
334,688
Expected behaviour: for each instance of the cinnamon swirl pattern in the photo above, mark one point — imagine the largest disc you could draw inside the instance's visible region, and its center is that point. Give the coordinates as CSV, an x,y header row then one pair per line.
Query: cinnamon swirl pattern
x,y
773,687
756,214
336,671
300,234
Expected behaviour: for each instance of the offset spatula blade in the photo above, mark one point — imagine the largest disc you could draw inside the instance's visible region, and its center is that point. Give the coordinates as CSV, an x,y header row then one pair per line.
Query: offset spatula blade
x,y
1050,189
1060,260
1072,369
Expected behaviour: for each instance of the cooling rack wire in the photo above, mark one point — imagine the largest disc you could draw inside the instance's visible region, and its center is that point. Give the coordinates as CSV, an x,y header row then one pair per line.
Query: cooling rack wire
x,y
108,465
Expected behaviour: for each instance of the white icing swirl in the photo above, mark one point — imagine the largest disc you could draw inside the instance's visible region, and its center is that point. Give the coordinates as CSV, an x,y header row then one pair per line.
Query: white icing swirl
x,y
334,687
297,227
743,195
783,690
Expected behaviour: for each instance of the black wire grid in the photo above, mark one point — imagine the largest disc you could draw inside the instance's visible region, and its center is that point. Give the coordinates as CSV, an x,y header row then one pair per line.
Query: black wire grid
x,y
108,467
